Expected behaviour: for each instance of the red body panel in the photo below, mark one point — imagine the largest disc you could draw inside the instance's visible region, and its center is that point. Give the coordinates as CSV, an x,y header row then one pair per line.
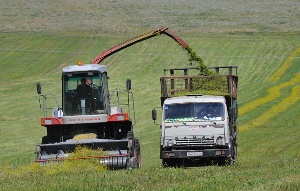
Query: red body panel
x,y
118,117
59,121
54,121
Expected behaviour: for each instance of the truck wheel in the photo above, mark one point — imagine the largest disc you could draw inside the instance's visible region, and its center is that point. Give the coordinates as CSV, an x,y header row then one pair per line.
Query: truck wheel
x,y
234,156
165,163
169,162
233,159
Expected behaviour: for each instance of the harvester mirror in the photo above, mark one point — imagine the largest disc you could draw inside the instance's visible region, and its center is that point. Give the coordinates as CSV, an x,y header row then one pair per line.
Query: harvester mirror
x,y
154,115
128,84
38,88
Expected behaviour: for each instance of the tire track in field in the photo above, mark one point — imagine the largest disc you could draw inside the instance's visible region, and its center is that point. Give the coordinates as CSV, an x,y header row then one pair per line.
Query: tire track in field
x,y
274,93
275,110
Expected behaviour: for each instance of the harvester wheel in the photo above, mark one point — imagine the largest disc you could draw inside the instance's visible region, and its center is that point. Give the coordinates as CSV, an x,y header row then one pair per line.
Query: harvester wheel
x,y
137,152
139,160
38,152
49,139
45,140
135,160
132,163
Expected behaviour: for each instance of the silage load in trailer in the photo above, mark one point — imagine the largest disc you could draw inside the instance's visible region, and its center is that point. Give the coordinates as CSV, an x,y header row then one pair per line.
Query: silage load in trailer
x,y
218,84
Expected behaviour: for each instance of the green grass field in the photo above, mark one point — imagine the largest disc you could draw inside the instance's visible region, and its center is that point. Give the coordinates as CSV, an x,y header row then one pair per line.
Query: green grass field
x,y
267,55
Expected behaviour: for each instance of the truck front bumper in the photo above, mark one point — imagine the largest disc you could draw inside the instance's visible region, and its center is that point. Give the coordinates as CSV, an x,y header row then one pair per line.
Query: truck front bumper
x,y
195,154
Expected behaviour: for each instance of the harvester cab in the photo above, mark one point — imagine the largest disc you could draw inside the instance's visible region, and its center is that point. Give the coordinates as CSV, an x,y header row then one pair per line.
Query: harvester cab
x,y
87,118
85,92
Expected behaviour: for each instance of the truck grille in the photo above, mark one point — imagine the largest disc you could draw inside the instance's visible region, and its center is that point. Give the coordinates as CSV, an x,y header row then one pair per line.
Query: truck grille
x,y
195,142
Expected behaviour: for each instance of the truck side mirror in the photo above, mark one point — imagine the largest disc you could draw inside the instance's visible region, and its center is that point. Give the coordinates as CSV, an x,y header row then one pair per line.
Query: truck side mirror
x,y
38,88
154,117
128,84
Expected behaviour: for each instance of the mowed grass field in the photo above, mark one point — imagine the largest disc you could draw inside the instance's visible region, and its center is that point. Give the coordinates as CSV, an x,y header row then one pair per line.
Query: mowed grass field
x,y
269,99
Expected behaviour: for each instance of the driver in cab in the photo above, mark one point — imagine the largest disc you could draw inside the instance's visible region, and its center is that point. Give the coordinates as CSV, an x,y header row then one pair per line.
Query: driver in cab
x,y
83,90
83,97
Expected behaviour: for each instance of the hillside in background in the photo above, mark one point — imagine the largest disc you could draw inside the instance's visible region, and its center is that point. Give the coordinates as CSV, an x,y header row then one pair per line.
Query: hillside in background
x,y
38,38
129,17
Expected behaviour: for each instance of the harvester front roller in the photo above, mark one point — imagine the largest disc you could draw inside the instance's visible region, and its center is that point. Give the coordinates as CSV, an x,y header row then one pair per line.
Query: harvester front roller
x,y
123,156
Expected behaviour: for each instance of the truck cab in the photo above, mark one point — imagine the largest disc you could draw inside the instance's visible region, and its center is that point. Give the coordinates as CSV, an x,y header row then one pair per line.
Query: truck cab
x,y
197,128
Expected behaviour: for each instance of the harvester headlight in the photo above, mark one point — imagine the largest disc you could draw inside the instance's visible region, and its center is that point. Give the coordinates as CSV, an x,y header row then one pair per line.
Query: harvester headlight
x,y
120,117
220,141
48,122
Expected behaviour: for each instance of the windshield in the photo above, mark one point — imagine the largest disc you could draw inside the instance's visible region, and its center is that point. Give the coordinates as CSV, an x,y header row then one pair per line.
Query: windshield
x,y
194,112
82,94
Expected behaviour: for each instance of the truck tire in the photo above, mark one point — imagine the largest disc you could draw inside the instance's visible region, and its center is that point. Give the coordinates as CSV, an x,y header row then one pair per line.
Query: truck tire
x,y
234,155
233,159
169,162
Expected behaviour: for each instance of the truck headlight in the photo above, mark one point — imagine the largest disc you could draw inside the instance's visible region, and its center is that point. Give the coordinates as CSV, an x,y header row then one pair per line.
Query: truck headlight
x,y
220,141
170,143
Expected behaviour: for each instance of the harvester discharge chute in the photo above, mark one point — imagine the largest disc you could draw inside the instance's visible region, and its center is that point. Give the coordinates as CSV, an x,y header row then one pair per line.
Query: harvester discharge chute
x,y
137,39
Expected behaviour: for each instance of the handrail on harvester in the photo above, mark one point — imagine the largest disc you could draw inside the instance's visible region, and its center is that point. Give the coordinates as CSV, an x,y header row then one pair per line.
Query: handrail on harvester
x,y
132,41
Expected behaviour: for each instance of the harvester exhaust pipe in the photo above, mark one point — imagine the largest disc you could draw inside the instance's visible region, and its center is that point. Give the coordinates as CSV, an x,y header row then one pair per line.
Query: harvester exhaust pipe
x,y
38,88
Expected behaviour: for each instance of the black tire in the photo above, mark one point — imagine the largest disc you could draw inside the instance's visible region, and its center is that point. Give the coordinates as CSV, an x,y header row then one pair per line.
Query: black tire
x,y
233,159
169,163
48,140
137,153
38,153
45,140
139,158
234,154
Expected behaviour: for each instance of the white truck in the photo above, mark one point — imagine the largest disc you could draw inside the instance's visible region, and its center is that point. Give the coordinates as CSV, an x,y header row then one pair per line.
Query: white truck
x,y
199,116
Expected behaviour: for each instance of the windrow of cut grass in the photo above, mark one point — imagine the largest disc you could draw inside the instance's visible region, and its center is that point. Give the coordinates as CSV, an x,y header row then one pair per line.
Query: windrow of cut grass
x,y
54,168
280,71
274,93
275,110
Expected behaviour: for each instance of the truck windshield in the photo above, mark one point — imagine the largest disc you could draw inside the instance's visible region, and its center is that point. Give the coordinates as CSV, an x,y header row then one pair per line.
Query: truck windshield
x,y
194,112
